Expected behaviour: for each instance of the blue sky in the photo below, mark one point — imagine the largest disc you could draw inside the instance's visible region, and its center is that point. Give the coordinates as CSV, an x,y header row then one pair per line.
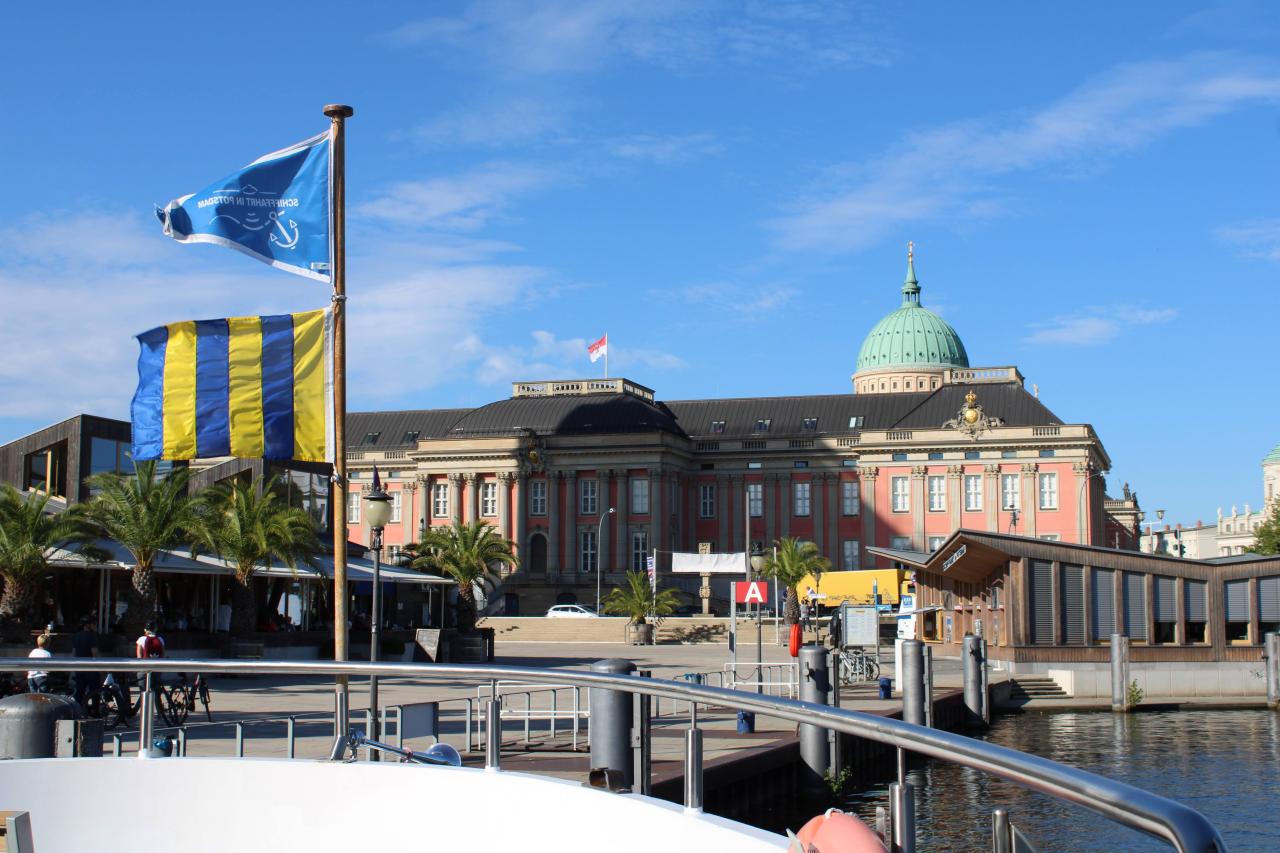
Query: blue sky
x,y
726,188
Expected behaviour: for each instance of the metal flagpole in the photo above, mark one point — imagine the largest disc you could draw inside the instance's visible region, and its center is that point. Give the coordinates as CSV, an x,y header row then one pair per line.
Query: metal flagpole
x,y
606,358
338,114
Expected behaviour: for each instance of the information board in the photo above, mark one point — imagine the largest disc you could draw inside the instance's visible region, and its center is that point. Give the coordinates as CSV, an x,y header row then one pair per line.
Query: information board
x,y
860,625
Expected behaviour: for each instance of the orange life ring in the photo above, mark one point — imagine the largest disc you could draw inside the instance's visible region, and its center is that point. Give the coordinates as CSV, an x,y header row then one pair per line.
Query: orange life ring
x,y
795,641
837,832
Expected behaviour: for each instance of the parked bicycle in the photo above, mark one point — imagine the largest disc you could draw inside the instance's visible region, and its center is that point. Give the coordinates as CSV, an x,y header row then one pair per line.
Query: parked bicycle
x,y
856,666
181,699
115,704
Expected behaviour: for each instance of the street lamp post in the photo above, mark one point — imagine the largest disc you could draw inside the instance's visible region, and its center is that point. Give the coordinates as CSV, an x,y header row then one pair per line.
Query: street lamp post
x,y
599,561
1080,502
378,513
757,565
1151,529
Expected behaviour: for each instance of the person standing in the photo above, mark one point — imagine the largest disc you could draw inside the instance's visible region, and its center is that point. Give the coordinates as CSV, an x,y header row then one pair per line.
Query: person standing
x,y
83,645
38,679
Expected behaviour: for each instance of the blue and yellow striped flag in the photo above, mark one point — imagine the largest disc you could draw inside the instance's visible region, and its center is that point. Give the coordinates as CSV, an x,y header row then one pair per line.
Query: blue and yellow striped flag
x,y
242,386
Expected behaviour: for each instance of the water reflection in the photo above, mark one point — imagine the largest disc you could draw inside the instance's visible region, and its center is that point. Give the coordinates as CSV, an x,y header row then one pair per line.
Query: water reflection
x,y
1226,764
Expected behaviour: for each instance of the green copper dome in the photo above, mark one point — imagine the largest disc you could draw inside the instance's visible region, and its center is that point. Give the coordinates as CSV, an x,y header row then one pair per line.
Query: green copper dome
x,y
1273,456
912,336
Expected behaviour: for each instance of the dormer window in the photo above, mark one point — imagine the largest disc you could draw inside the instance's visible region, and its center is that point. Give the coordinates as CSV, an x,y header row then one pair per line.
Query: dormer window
x,y
716,427
762,425
371,438
809,424
855,421
411,437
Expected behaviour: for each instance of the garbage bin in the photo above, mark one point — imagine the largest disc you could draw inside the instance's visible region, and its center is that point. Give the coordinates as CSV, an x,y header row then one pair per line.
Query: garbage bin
x,y
746,722
161,747
886,688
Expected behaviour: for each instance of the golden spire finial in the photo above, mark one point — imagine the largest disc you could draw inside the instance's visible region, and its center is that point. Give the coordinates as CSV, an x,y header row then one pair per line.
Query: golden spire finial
x,y
911,250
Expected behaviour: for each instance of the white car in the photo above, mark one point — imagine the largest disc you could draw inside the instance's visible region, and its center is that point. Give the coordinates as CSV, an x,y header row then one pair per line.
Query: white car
x,y
570,611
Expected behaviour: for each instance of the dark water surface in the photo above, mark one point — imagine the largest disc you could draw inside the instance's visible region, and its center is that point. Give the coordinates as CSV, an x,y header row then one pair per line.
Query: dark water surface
x,y
1225,764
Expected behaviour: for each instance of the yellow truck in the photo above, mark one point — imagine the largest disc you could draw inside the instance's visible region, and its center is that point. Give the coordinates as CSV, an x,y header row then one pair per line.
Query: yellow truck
x,y
856,587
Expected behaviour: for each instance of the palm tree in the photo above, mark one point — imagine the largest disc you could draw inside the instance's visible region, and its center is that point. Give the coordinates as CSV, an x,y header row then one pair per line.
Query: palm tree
x,y
146,514
638,600
466,553
28,537
793,560
250,525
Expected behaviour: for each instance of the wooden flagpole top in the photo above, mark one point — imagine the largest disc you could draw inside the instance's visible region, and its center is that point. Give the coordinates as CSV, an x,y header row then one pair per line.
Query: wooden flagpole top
x,y
339,111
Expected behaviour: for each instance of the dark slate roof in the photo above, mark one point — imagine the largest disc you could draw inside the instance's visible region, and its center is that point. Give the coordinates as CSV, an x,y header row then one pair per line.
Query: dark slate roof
x,y
395,426
1008,401
594,413
920,410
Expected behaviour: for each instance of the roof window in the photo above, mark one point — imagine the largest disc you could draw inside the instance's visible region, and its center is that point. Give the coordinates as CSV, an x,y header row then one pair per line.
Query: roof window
x,y
411,437
762,425
371,437
809,424
716,426
856,421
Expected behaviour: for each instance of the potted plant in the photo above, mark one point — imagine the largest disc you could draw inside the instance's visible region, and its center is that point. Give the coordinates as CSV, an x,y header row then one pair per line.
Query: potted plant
x,y
640,603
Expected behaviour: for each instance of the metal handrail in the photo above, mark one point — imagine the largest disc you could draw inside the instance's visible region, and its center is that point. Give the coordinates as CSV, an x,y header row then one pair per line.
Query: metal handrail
x,y
1178,824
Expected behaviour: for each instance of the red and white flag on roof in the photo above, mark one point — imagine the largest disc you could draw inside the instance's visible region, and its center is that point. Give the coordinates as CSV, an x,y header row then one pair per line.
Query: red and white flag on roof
x,y
599,349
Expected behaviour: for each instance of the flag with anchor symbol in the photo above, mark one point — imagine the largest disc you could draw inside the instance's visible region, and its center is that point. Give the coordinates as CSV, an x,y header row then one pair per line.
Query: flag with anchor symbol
x,y
276,209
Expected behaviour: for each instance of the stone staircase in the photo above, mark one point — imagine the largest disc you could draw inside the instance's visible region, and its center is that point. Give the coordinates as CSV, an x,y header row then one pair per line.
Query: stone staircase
x,y
1024,688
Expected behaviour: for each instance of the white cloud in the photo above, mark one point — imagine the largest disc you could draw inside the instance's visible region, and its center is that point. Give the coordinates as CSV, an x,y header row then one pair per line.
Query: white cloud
x,y
560,36
461,202
510,122
955,171
665,149
1257,239
1097,325
739,303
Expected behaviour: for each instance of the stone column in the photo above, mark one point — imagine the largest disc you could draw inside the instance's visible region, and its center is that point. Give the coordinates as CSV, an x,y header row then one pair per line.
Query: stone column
x,y
1030,499
991,485
787,499
473,496
816,483
739,509
834,511
955,494
867,494
522,515
504,505
423,516
768,506
554,520
571,522
623,561
1079,484
455,497
722,512
918,494
659,512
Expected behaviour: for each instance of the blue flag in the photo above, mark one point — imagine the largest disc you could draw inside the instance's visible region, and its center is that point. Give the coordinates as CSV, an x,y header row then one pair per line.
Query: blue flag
x,y
276,209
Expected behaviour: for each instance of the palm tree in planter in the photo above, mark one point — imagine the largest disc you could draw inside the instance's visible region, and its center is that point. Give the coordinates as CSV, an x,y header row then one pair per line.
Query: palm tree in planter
x,y
146,514
28,538
794,559
467,553
637,600
250,525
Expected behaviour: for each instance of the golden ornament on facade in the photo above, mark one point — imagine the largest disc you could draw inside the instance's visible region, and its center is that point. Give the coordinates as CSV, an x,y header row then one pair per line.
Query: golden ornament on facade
x,y
971,416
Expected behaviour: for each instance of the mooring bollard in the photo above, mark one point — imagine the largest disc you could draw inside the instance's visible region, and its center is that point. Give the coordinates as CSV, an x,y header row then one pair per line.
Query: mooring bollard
x,y
1119,673
973,664
928,685
609,726
911,676
693,769
1271,656
814,687
493,735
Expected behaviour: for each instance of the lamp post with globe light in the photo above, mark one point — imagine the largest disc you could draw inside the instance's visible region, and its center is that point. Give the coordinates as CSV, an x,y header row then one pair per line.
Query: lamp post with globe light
x,y
757,566
599,561
378,513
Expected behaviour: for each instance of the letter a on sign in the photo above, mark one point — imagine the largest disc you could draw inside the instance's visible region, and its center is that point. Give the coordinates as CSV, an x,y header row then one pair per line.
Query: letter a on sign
x,y
751,592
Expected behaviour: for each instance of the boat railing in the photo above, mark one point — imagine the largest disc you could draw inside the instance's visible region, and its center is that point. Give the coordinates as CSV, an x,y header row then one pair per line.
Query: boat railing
x,y
1173,822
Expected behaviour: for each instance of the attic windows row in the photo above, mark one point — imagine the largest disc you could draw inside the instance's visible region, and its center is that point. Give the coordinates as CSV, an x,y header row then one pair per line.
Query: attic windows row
x,y
765,424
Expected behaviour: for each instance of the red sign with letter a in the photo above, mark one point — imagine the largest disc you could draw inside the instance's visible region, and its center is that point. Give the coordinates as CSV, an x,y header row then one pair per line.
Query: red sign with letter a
x,y
751,592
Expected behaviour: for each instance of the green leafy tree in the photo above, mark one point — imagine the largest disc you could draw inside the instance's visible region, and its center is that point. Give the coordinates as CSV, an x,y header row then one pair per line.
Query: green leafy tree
x,y
467,553
637,600
250,525
794,559
29,536
146,514
1266,539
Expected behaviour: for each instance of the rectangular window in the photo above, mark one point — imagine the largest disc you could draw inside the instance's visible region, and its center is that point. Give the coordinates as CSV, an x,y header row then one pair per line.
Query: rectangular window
x,y
395,507
1103,594
587,551
849,554
935,542
1050,537
901,489
706,500
439,500
1236,599
1041,603
716,427
1009,491
972,454
489,499
801,463
372,437
973,492
353,507
900,543
755,499
856,421
588,504
411,437
1046,454
935,455
1135,606
1071,579
639,550
1048,491
1268,606
809,424
801,493
538,497
1197,610
899,457
1166,611
762,425
640,497
937,494
850,497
